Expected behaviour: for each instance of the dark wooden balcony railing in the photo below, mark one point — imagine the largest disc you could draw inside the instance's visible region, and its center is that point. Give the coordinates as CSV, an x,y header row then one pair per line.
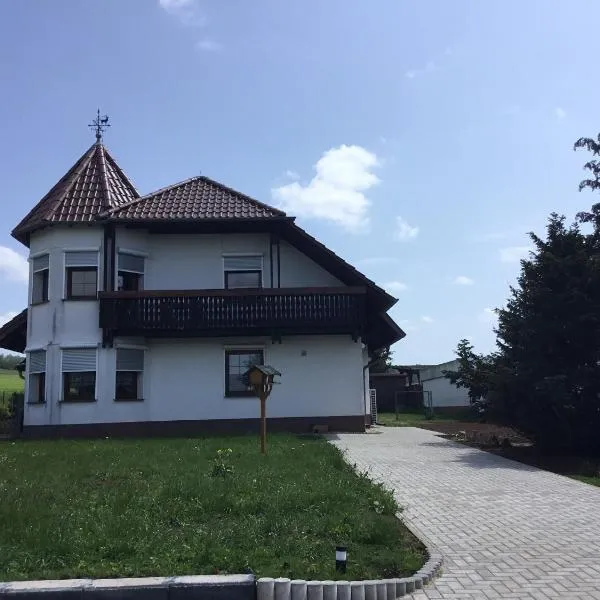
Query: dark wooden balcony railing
x,y
233,312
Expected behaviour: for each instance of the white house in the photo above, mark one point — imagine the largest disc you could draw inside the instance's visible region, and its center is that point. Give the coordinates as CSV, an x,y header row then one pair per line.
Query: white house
x,y
144,312
443,393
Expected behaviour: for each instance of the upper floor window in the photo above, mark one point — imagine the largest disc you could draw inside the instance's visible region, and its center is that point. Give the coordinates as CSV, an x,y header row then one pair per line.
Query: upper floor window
x,y
81,275
39,284
36,382
243,271
130,272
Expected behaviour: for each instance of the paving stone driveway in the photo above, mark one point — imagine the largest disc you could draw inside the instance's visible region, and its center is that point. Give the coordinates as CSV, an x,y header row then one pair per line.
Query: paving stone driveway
x,y
506,530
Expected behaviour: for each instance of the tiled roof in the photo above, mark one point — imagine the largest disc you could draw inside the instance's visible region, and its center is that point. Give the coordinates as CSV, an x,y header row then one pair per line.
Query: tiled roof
x,y
93,185
192,199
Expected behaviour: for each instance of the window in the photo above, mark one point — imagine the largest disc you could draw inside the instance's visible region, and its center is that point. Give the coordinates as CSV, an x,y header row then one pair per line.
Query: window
x,y
36,383
243,271
82,275
79,374
130,272
39,287
130,367
237,362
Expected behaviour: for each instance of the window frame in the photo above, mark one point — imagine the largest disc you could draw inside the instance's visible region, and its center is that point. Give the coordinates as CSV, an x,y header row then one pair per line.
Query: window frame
x,y
69,279
67,396
135,397
119,271
236,272
139,382
226,271
45,274
124,273
38,379
236,352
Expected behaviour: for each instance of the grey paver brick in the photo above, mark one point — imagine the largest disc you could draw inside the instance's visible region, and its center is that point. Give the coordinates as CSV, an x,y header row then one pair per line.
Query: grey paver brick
x,y
506,530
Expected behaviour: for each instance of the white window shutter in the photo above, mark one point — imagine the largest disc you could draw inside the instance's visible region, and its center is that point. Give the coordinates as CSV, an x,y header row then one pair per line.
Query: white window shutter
x,y
77,360
37,361
88,258
130,262
130,359
243,263
41,262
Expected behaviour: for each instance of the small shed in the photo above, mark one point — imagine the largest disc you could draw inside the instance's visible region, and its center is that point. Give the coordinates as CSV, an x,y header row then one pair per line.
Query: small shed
x,y
397,386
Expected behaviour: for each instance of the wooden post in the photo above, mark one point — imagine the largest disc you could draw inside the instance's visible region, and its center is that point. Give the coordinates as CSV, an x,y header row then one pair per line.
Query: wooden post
x,y
263,423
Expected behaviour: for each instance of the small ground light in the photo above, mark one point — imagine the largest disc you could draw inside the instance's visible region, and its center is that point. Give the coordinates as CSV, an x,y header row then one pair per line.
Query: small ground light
x,y
341,557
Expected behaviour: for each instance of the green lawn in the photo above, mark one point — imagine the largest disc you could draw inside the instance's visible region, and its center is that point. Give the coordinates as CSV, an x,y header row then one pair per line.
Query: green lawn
x,y
10,382
406,419
591,480
109,508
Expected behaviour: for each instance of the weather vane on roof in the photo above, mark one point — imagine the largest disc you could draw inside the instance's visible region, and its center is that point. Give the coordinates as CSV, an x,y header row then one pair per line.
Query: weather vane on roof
x,y
100,123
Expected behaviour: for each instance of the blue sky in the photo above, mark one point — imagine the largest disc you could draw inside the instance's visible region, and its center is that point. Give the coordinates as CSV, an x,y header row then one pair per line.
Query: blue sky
x,y
419,140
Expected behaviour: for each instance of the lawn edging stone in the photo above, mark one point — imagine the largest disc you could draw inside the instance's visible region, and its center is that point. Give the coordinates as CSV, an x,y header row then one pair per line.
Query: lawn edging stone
x,y
282,588
221,587
196,587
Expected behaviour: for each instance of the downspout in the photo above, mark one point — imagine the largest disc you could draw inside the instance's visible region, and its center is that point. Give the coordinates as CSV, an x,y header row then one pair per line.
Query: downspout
x,y
271,257
367,366
278,262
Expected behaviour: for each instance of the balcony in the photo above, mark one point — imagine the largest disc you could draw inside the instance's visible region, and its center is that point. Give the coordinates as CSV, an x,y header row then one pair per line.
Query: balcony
x,y
207,313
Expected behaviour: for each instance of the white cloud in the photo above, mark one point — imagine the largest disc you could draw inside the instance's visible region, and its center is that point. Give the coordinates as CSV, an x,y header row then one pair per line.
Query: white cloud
x,y
407,325
336,192
430,65
514,253
187,11
404,231
426,319
560,113
395,286
488,315
207,45
428,68
13,266
7,316
292,175
463,280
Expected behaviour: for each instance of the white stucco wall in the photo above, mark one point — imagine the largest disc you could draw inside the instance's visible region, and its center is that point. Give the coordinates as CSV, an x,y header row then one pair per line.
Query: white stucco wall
x,y
194,261
443,393
184,379
297,270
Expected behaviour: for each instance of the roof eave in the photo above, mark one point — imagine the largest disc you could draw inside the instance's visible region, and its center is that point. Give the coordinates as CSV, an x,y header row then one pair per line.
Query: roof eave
x,y
107,218
15,331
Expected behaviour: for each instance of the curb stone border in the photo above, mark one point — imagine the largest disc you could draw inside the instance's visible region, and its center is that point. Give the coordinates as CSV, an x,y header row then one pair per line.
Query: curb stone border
x,y
196,587
221,587
268,588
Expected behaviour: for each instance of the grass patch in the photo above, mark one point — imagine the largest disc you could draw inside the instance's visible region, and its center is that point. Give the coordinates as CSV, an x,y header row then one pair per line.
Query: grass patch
x,y
591,480
118,508
10,382
408,419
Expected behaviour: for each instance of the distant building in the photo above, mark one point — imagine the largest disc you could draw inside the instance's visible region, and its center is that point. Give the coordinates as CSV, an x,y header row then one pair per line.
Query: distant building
x,y
443,393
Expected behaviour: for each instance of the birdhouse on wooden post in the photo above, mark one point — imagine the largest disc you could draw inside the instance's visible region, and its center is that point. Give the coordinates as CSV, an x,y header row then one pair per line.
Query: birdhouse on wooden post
x,y
260,379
